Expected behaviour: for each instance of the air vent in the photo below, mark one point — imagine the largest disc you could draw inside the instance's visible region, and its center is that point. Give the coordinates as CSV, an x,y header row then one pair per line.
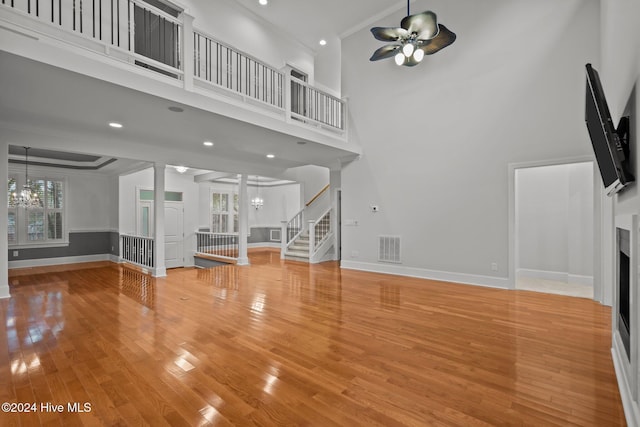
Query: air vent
x,y
389,249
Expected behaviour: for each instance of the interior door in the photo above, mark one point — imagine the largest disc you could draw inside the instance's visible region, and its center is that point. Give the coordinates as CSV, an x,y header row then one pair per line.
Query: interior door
x,y
173,225
173,235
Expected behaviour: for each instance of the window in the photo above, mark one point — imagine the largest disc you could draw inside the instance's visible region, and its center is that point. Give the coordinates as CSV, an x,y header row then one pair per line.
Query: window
x,y
224,212
43,224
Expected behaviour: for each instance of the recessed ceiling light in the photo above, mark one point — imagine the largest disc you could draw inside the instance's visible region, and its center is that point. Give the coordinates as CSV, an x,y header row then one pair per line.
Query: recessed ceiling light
x,y
323,42
182,169
208,144
270,156
115,125
263,2
176,109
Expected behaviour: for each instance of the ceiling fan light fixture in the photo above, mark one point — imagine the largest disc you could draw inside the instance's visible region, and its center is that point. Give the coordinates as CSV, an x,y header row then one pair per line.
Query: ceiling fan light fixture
x,y
408,49
417,36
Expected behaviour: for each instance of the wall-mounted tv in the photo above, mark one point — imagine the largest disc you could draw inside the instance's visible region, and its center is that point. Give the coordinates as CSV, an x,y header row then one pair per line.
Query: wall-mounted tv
x,y
610,145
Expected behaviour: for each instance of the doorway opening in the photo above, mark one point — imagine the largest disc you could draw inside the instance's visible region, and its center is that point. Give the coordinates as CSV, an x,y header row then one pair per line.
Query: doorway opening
x,y
554,229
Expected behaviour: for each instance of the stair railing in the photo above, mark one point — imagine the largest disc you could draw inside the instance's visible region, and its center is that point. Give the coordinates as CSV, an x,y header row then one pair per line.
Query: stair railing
x,y
319,231
290,231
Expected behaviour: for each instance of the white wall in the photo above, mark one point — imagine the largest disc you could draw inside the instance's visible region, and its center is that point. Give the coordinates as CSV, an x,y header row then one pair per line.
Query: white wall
x,y
312,179
281,203
437,138
90,197
173,182
620,72
554,219
90,202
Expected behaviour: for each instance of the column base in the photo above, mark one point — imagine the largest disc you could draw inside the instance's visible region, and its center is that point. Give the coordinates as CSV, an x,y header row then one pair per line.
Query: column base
x,y
242,261
159,272
4,292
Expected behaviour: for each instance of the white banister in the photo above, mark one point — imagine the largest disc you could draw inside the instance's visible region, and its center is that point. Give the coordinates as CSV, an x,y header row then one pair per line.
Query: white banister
x,y
220,245
138,250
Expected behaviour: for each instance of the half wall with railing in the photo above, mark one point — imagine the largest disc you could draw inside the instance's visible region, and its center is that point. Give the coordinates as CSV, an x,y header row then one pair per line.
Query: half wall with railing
x,y
223,246
162,39
138,250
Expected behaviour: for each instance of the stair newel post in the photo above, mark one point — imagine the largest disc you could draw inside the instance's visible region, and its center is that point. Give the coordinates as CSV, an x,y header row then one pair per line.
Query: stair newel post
x,y
284,238
312,238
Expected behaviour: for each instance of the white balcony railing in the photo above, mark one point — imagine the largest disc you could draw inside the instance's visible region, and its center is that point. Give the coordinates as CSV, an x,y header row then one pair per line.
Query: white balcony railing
x,y
166,42
222,65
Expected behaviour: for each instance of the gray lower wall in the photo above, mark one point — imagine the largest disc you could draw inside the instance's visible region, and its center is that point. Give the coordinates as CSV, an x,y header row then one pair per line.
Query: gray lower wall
x,y
82,243
261,235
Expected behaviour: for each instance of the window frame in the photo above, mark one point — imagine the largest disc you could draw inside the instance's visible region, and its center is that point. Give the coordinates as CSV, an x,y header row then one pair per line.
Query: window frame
x,y
22,214
232,212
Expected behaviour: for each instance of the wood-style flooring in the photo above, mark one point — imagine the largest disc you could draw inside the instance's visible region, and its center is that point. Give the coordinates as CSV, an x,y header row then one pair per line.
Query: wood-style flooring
x,y
282,343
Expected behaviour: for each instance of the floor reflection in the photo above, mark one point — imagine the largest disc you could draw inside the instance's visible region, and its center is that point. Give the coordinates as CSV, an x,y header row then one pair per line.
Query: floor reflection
x,y
139,287
390,297
224,278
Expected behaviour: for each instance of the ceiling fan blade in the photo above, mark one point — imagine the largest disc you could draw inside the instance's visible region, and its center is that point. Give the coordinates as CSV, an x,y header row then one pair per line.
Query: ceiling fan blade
x,y
424,24
384,52
444,38
389,34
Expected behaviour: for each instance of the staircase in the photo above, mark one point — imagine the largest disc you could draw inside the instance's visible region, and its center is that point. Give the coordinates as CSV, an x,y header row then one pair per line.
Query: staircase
x,y
299,249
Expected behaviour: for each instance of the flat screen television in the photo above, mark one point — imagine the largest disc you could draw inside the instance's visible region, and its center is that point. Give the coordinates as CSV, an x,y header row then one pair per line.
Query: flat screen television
x,y
610,145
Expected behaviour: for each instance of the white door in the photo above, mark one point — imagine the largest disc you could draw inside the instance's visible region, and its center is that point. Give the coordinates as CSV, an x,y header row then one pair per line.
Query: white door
x,y
173,235
173,225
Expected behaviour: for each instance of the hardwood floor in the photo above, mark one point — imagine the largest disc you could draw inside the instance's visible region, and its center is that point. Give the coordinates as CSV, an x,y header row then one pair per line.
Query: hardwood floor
x,y
284,343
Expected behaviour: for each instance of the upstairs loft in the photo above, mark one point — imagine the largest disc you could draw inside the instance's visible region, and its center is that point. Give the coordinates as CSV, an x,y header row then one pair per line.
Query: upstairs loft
x,y
159,53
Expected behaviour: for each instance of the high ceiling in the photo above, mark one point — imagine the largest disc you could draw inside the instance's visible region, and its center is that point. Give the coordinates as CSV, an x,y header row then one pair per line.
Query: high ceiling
x,y
310,21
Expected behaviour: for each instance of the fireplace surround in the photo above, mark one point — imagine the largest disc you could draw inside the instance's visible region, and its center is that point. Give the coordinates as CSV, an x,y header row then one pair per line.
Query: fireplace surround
x,y
624,325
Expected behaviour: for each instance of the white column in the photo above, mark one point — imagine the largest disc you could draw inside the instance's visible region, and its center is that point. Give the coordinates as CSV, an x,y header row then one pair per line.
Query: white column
x,y
335,183
4,245
158,218
243,221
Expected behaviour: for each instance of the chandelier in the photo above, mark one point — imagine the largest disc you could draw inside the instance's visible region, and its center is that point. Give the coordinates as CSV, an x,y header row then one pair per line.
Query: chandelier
x,y
417,36
257,202
28,198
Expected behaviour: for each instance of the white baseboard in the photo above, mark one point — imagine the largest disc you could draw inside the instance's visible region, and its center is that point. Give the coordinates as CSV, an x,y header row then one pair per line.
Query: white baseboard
x,y
275,245
629,405
575,279
421,273
556,276
59,260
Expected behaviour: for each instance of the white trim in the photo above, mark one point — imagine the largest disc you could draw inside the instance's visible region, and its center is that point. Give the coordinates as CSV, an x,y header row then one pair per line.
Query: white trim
x,y
94,230
557,276
421,273
630,407
4,292
41,262
275,245
513,247
577,279
15,246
